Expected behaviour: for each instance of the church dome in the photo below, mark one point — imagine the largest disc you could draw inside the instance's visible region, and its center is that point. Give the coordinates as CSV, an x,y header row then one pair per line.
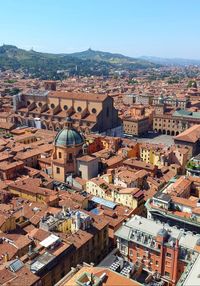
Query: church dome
x,y
68,137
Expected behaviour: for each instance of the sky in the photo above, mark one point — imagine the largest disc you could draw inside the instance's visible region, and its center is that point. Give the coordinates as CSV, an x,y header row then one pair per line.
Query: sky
x,y
162,28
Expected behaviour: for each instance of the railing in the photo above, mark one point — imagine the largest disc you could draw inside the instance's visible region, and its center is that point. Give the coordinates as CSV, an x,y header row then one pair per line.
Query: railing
x,y
167,213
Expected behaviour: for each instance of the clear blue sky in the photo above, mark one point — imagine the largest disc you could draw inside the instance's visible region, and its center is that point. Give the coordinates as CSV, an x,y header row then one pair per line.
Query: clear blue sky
x,y
165,28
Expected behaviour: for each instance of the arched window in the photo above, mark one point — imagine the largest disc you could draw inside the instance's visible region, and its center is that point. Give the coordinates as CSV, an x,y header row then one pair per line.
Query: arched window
x,y
52,106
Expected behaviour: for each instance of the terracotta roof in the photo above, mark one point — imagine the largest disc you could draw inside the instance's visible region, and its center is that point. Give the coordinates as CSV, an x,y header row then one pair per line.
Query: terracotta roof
x,y
78,96
6,125
5,276
86,158
189,135
139,164
129,191
8,248
114,160
39,234
112,278
24,277
32,185
185,202
79,238
6,165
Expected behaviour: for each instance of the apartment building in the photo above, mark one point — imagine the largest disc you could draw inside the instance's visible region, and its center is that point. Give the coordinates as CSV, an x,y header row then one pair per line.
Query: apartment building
x,y
161,155
130,197
157,249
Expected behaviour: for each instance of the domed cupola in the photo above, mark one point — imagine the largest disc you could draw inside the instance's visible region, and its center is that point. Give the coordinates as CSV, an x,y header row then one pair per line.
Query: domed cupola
x,y
68,136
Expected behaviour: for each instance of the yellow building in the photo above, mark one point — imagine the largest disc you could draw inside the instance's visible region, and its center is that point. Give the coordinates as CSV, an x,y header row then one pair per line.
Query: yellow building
x,y
159,155
65,226
152,154
7,223
129,197
126,197
31,190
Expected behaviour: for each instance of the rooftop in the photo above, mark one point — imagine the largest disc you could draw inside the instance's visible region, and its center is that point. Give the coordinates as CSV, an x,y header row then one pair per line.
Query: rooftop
x,y
189,135
152,228
78,96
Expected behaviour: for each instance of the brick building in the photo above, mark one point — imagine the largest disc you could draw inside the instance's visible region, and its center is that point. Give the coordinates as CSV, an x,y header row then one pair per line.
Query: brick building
x,y
48,110
160,250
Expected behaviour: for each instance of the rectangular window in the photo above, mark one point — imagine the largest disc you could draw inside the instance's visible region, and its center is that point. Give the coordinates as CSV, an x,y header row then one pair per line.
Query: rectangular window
x,y
168,254
59,155
58,170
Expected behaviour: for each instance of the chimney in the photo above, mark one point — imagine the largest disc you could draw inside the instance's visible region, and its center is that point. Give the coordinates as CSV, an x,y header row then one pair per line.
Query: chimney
x,y
30,249
6,257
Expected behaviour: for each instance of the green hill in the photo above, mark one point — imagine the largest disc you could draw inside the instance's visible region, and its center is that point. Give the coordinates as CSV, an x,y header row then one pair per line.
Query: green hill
x,y
112,58
55,66
104,56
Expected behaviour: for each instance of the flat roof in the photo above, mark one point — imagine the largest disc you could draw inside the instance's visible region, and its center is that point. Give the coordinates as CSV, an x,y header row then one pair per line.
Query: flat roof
x,y
51,239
